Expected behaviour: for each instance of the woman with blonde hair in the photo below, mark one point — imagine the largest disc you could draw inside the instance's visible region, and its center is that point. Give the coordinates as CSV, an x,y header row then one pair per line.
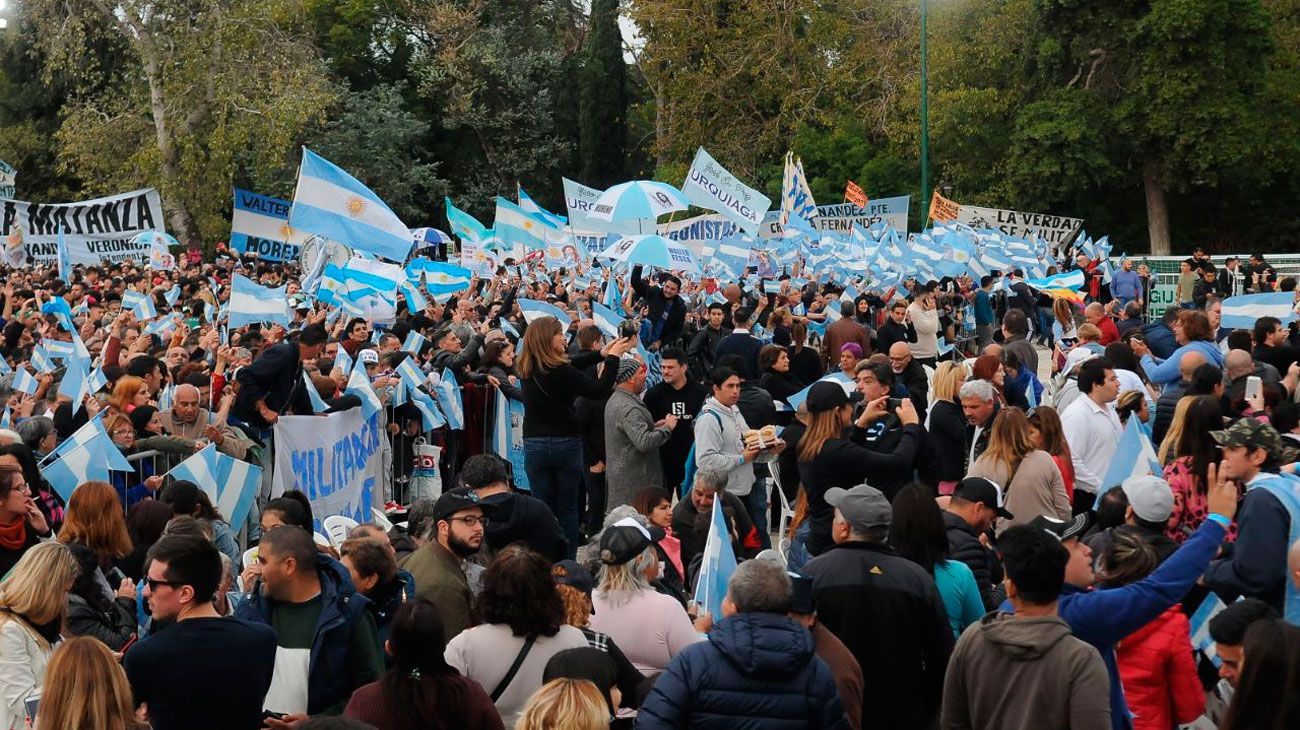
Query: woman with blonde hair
x,y
33,603
129,393
87,690
574,583
552,381
1169,447
946,425
1032,483
95,519
571,704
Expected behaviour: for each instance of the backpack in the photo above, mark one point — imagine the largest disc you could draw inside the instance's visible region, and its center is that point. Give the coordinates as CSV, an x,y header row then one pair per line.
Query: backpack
x,y
688,481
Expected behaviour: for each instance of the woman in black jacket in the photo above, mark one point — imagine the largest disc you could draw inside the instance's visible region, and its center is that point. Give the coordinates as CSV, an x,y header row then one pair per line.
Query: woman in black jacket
x,y
552,433
97,609
805,362
947,427
499,362
774,363
828,459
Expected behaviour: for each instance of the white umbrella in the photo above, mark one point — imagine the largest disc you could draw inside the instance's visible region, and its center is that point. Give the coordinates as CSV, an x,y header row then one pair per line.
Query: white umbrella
x,y
654,251
638,200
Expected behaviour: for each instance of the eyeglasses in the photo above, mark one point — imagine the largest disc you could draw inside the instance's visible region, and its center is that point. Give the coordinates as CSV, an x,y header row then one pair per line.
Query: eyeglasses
x,y
154,583
123,432
472,521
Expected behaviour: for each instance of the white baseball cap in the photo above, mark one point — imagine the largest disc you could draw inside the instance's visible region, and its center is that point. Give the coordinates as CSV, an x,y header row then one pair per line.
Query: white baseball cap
x,y
368,357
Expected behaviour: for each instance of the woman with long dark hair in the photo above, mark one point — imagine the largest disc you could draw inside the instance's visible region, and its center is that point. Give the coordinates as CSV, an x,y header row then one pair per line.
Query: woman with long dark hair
x,y
499,362
18,456
1268,695
1047,433
552,381
1194,451
109,617
421,691
1031,483
917,532
805,362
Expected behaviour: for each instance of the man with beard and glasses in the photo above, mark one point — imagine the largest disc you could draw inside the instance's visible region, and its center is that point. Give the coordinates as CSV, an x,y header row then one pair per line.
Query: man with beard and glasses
x,y
455,533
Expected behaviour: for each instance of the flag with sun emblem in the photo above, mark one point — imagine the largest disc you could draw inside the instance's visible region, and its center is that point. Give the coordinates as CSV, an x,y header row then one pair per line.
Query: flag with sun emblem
x,y
260,224
516,226
334,205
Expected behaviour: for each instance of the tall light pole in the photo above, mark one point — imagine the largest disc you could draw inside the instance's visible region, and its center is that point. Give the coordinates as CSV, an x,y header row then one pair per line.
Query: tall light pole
x,y
925,126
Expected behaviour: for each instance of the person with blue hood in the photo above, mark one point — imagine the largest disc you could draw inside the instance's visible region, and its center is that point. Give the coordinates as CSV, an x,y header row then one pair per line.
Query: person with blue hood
x,y
327,645
1105,617
758,669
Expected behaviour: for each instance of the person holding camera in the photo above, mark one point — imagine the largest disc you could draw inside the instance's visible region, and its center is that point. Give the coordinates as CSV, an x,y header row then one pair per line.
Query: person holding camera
x,y
880,424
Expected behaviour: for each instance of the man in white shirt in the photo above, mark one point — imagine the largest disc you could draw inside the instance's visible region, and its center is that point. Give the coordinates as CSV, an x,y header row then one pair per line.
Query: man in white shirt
x,y
1093,430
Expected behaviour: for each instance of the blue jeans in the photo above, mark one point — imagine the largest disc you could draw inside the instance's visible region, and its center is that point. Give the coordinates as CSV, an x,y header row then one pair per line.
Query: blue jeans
x,y
798,555
554,467
756,505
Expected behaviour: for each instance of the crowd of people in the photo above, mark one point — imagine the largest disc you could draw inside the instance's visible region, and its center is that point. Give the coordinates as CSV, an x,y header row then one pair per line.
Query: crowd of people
x,y
926,536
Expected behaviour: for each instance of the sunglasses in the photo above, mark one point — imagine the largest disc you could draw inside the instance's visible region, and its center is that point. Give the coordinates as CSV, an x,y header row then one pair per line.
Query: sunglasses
x,y
154,583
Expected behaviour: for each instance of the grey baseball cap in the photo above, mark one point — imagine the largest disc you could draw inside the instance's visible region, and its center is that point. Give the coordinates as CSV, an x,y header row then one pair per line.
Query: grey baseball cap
x,y
1150,497
863,506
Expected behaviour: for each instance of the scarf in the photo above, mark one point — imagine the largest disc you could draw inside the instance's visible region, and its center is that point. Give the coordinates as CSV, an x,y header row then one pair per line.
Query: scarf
x,y
14,535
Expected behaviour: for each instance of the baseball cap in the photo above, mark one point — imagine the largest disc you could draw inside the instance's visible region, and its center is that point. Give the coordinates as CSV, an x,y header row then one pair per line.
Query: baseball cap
x,y
1061,529
368,357
1149,496
1257,435
981,489
863,506
452,502
824,396
623,541
572,573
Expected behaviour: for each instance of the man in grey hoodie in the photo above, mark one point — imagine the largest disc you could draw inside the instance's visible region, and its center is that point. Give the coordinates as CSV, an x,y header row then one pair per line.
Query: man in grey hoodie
x,y
720,434
1059,681
632,437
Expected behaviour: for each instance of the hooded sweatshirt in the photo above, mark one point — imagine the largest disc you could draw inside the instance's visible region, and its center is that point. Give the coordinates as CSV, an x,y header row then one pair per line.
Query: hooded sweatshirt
x,y
1009,672
719,445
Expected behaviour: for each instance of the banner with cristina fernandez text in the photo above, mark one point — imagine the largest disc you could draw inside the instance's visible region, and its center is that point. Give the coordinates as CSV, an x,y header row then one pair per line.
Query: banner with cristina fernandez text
x,y
95,231
334,459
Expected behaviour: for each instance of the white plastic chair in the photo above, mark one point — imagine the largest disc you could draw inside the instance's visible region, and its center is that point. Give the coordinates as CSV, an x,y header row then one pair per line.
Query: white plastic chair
x,y
321,540
787,514
381,519
337,528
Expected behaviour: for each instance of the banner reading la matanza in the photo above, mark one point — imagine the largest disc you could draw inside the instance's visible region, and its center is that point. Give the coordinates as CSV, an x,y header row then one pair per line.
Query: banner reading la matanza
x,y
95,231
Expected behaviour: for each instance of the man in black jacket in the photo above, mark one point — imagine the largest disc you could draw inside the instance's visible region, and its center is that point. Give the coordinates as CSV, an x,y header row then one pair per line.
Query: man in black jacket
x,y
273,385
895,328
886,609
667,312
705,342
516,517
974,505
743,343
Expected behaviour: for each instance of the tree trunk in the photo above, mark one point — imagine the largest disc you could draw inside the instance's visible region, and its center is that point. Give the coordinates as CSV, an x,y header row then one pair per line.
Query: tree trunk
x,y
662,113
1157,208
182,221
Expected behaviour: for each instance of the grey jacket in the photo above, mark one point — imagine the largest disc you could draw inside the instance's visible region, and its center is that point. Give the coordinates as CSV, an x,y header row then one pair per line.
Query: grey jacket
x,y
719,435
631,448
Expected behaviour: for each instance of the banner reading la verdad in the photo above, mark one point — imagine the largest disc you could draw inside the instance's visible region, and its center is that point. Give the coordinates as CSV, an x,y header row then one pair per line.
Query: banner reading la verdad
x,y
95,231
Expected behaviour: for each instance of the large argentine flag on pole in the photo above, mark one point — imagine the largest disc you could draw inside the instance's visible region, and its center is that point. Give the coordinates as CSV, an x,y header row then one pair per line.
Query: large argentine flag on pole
x,y
717,566
251,303
331,203
1241,312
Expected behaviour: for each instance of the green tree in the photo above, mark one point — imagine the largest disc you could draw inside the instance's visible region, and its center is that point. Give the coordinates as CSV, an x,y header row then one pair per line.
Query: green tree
x,y
602,142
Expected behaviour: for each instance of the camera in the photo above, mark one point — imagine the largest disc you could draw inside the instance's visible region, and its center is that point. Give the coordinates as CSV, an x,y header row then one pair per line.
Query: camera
x,y
893,404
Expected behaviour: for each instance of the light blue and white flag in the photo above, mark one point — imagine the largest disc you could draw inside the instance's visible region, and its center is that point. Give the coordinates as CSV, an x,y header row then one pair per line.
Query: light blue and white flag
x,y
447,391
1133,457
710,186
430,415
252,303
231,484
414,342
1241,312
78,465
6,419
172,295
166,397
90,430
331,203
260,224
41,361
64,259
343,361
73,385
530,206
415,301
463,224
717,566
411,374
534,309
58,349
163,327
145,309
96,381
613,296
317,404
359,385
5,368
508,437
24,382
796,197
514,226
441,278
606,319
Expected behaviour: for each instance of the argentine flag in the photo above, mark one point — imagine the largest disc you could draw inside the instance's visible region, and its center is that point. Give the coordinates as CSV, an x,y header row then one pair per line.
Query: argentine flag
x,y
359,385
24,382
80,464
414,342
145,309
463,224
1134,457
430,415
334,205
442,279
528,205
317,404
411,374
1241,312
514,226
6,419
251,302
73,384
447,391
534,310
606,319
231,484
717,566
343,361
415,301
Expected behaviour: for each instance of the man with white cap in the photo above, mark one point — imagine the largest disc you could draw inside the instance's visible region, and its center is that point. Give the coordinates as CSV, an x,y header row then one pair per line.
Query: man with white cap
x,y
1149,502
885,608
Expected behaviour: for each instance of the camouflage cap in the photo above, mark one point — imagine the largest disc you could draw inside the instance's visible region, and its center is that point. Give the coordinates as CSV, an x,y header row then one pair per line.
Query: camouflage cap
x,y
1257,435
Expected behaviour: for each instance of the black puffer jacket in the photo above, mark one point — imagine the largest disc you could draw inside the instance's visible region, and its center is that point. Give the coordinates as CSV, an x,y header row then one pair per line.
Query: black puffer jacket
x,y
945,445
964,545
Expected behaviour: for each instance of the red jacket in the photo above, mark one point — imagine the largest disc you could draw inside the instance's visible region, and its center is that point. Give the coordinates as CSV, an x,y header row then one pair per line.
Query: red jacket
x,y
1159,673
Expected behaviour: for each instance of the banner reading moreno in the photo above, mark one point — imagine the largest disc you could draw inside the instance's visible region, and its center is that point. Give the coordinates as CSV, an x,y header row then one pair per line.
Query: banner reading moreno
x,y
95,230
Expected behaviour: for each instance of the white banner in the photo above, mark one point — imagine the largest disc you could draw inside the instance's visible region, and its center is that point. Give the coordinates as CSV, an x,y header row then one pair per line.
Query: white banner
x,y
335,460
709,185
1054,229
96,231
840,217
